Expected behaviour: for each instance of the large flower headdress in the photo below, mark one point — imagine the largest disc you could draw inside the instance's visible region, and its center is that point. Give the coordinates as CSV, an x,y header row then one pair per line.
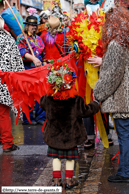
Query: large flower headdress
x,y
85,34
85,38
61,79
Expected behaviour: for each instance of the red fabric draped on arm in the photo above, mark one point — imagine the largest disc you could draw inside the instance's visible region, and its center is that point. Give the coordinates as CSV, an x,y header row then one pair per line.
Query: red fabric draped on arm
x,y
25,87
29,85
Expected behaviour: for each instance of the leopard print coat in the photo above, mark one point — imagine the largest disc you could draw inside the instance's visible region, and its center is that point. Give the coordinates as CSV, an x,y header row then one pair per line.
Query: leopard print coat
x,y
112,88
10,60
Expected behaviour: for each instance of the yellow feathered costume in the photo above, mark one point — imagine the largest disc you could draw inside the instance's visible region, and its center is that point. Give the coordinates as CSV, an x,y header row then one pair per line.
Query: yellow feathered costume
x,y
85,37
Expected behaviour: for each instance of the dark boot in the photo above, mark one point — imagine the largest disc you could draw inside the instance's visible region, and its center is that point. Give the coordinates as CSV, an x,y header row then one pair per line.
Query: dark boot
x,y
57,182
12,148
118,179
70,183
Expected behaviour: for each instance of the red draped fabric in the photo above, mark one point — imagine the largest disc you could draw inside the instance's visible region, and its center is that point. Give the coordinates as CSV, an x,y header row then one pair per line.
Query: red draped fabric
x,y
29,85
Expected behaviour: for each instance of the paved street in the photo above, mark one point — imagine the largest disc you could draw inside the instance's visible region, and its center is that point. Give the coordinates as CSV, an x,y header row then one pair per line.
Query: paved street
x,y
29,166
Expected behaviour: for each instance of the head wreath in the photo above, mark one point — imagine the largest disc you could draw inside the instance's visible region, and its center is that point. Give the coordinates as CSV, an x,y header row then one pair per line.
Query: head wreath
x,y
61,79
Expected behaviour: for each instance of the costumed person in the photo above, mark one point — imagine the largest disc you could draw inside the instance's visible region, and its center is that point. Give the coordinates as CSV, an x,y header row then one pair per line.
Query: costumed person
x,y
64,128
66,21
54,40
85,38
91,6
37,116
10,60
57,11
44,15
112,88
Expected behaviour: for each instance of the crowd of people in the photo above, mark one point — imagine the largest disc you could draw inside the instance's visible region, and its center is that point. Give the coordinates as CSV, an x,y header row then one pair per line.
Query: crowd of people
x,y
62,104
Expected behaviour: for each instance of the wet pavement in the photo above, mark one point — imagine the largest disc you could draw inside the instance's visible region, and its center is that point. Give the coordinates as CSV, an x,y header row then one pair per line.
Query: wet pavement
x,y
110,168
23,167
29,166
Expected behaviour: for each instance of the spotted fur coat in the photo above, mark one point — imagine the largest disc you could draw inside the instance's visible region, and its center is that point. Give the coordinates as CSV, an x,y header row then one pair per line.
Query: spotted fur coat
x,y
112,88
10,60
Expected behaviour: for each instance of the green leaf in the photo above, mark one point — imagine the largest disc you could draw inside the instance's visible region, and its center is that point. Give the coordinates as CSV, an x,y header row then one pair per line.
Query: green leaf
x,y
70,72
49,80
51,61
58,86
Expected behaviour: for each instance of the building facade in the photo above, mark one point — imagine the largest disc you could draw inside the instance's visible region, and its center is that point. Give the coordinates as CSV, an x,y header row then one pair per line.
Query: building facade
x,y
23,5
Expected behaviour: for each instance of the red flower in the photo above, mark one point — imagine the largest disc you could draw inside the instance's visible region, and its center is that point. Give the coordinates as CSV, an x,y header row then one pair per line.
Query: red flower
x,y
68,78
58,74
57,65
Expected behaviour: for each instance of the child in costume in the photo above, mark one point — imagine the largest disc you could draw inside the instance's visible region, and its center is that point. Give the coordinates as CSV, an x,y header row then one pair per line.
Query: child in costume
x,y
64,128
